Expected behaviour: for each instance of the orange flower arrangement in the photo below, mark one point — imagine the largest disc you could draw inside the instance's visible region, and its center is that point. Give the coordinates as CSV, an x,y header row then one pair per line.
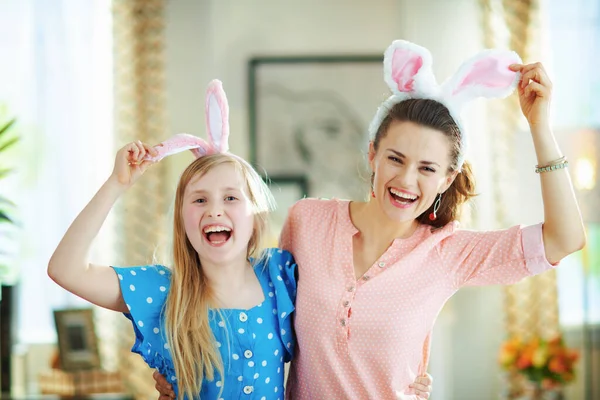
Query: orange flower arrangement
x,y
546,363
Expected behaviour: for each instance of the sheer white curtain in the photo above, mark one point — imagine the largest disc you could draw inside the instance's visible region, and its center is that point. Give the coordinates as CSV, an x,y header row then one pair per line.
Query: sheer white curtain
x,y
56,78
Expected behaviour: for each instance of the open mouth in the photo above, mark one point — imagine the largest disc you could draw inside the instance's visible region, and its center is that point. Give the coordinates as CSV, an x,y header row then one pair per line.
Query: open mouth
x,y
217,234
402,199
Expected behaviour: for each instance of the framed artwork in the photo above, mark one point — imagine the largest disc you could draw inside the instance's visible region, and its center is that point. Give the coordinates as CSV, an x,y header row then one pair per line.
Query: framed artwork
x,y
309,117
286,189
77,341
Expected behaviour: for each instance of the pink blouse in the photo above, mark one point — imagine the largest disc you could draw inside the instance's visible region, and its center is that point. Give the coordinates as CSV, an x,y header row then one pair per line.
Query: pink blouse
x,y
368,338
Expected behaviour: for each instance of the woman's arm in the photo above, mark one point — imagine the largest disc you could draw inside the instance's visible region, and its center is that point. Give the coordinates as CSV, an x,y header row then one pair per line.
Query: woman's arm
x,y
563,229
69,265
421,387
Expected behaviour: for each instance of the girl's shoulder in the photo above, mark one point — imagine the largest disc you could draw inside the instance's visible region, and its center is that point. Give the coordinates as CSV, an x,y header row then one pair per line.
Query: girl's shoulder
x,y
144,289
276,264
144,276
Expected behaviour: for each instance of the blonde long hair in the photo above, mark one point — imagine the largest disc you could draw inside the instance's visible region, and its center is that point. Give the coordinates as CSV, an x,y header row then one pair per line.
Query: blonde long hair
x,y
191,341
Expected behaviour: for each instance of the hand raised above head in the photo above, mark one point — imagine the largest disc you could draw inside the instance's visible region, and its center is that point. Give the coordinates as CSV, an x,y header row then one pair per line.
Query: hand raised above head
x,y
535,90
130,163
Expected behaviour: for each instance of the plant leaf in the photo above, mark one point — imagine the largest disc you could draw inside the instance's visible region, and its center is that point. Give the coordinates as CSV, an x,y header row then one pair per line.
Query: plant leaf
x,y
9,143
7,126
4,217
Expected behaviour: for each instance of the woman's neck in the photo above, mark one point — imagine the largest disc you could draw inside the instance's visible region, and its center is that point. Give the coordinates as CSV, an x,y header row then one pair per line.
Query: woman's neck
x,y
375,226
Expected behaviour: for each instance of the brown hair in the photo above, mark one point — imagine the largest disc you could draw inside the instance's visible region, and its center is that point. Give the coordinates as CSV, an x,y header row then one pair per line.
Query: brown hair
x,y
191,341
435,115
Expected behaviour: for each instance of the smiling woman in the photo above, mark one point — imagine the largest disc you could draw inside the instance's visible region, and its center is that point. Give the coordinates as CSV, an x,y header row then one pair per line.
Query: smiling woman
x,y
408,147
380,271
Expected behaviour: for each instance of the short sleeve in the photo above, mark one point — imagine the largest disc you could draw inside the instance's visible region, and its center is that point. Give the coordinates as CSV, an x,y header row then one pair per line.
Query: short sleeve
x,y
144,291
495,257
282,273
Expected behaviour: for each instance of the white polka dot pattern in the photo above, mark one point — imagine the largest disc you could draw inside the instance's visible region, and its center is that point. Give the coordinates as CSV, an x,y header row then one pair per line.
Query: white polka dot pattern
x,y
251,341
366,338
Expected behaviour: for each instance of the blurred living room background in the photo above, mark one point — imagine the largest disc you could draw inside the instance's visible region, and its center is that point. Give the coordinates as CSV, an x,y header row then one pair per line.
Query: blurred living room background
x,y
79,78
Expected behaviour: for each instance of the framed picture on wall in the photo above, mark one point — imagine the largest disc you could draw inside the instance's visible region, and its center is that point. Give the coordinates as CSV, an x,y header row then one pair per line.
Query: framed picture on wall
x,y
77,341
286,189
309,117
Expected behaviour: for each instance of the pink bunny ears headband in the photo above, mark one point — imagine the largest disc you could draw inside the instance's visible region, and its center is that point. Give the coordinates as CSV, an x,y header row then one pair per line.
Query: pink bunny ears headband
x,y
217,123
407,71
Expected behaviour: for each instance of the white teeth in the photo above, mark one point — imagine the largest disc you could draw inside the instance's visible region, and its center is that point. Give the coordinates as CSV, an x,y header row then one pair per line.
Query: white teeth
x,y
216,228
403,195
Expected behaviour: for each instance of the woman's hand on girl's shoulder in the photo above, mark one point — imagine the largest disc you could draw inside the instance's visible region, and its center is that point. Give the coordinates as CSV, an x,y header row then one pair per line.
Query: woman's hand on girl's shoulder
x,y
422,387
165,390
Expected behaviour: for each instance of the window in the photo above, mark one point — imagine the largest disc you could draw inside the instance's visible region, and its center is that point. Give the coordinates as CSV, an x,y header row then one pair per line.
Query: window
x,y
56,80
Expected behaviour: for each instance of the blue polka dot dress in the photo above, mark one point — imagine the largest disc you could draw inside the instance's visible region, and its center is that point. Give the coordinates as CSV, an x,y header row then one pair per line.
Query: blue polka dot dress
x,y
254,343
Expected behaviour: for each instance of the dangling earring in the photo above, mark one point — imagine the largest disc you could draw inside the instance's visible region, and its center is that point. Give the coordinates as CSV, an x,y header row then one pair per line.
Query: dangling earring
x,y
372,183
436,207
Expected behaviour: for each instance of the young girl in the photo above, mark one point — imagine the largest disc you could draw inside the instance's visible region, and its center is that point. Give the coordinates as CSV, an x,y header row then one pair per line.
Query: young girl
x,y
217,324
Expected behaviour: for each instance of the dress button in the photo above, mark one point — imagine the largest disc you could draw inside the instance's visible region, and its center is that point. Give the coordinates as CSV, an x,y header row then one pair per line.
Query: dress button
x,y
351,289
381,264
243,317
346,303
248,389
343,322
366,278
248,353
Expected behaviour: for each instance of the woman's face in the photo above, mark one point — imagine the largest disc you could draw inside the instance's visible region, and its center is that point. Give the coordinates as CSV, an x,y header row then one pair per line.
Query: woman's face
x,y
411,167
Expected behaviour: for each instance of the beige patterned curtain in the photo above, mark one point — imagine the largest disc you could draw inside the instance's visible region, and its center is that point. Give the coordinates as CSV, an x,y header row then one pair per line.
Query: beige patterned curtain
x,y
531,307
140,226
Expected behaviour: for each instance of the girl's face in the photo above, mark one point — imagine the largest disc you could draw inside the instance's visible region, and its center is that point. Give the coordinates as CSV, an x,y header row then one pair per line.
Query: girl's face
x,y
218,215
411,168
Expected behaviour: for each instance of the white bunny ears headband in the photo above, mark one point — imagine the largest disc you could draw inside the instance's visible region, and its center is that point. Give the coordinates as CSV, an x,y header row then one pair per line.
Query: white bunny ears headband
x,y
408,73
217,123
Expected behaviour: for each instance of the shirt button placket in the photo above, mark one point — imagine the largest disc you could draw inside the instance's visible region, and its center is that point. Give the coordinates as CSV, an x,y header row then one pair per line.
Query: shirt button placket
x,y
343,320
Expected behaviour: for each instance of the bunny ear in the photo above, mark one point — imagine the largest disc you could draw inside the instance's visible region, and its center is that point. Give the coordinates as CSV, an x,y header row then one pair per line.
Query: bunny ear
x,y
177,144
407,68
485,75
217,116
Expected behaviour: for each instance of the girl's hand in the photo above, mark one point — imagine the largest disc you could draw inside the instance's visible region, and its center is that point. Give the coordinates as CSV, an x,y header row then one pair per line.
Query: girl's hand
x,y
535,90
130,163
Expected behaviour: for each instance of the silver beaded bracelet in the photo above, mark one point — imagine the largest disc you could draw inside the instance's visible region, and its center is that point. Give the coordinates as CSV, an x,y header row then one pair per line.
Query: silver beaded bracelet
x,y
558,164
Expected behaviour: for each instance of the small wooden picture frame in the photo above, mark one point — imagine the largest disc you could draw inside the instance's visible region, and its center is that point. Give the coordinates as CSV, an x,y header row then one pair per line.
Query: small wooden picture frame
x,y
77,341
